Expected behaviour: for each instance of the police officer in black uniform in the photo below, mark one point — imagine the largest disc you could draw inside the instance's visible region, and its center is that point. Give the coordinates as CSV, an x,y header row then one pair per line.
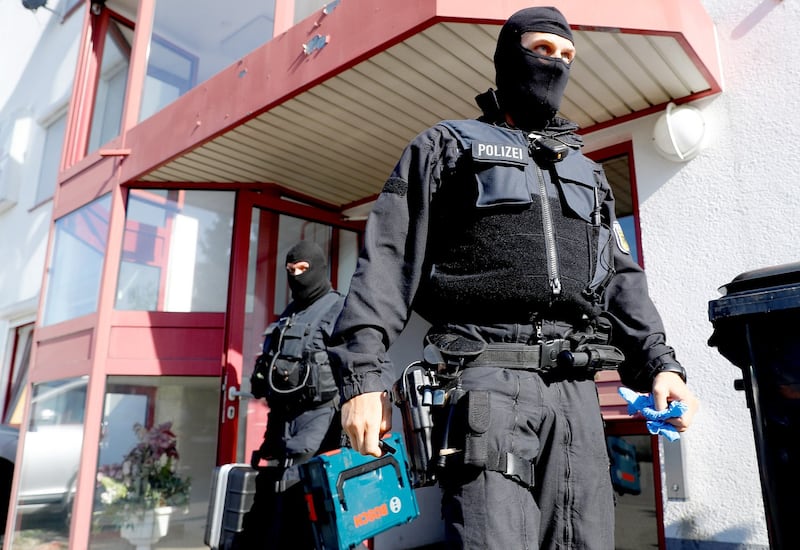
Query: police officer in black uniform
x,y
503,236
294,375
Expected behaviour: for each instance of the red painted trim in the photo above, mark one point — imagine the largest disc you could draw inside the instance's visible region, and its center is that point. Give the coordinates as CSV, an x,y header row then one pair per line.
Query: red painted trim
x,y
284,16
232,360
113,152
80,526
84,88
137,69
166,319
625,148
306,212
687,20
358,29
62,350
645,112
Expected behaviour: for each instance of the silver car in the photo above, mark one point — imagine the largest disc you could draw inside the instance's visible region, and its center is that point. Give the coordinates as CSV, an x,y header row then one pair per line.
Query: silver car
x,y
52,450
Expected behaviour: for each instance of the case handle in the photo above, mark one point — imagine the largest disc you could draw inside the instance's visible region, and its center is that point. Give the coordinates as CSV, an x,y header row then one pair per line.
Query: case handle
x,y
356,471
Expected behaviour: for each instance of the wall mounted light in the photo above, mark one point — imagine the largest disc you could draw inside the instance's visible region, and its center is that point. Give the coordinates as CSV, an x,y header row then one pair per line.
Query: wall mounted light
x,y
679,132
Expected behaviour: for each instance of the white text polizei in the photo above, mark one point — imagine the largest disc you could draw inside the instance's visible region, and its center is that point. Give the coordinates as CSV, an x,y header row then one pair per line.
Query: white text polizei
x,y
498,151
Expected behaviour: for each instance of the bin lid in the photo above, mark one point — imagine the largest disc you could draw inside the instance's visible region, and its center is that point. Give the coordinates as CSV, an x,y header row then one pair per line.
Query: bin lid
x,y
759,291
776,275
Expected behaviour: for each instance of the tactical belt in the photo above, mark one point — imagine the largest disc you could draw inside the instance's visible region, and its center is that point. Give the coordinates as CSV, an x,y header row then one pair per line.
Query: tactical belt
x,y
540,357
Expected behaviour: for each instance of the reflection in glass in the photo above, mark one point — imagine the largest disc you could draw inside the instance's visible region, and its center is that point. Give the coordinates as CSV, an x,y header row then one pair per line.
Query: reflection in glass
x,y
144,416
176,251
50,462
268,294
76,266
194,40
618,173
107,117
633,479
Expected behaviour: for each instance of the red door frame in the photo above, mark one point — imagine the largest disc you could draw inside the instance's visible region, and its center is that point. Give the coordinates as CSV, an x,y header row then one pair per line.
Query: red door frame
x,y
234,355
635,426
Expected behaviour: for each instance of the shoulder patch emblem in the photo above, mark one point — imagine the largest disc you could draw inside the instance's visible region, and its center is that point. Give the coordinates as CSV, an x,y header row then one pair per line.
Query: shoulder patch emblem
x,y
619,236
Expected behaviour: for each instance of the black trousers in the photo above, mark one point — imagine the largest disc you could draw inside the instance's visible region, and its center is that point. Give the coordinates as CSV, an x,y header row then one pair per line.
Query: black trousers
x,y
278,518
557,425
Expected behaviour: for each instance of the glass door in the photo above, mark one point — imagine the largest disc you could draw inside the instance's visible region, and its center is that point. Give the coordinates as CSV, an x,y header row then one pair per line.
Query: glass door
x,y
260,293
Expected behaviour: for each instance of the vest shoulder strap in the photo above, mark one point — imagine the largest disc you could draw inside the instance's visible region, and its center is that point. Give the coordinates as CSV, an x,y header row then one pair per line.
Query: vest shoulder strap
x,y
329,307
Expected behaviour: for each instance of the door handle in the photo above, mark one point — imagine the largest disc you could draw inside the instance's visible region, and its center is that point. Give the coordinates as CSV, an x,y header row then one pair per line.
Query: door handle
x,y
234,392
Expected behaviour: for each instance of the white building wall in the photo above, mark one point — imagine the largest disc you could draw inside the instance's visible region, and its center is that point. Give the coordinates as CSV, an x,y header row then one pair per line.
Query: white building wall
x,y
37,66
730,210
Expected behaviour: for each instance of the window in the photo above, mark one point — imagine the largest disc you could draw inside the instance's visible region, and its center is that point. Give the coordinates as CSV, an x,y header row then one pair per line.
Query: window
x,y
51,158
107,117
171,72
8,195
47,485
191,44
617,162
161,407
79,248
19,351
15,138
176,251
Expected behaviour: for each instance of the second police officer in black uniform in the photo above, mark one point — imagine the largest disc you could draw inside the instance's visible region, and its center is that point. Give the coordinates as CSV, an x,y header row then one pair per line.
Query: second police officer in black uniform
x,y
503,236
294,375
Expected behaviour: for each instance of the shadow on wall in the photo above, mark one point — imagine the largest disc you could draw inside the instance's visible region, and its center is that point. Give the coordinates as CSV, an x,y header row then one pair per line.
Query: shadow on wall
x,y
754,18
734,533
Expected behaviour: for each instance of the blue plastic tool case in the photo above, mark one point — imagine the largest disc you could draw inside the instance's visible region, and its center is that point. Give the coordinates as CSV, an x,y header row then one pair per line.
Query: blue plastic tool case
x,y
352,497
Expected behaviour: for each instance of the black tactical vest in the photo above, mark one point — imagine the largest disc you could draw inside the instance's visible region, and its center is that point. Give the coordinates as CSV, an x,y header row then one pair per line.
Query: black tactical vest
x,y
498,252
294,369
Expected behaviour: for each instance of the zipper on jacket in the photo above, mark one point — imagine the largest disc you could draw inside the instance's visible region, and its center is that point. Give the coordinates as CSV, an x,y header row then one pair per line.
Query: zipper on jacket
x,y
549,236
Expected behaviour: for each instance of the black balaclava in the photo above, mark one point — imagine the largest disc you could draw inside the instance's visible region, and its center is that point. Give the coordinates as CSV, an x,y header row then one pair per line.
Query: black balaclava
x,y
313,283
530,85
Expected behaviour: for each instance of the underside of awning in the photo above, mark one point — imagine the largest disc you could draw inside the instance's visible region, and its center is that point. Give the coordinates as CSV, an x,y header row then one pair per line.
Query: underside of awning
x,y
337,131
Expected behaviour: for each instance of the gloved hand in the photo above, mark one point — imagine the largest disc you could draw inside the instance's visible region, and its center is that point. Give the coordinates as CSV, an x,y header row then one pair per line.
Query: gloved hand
x,y
642,404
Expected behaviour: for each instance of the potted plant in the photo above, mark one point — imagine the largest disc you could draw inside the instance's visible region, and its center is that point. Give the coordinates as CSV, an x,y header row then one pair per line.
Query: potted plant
x,y
138,494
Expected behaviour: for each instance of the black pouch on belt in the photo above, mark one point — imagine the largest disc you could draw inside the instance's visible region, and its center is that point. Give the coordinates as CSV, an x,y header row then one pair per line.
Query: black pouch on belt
x,y
478,416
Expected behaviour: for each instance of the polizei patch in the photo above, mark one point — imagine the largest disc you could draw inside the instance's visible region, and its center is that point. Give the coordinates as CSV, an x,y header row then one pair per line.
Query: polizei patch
x,y
619,236
499,153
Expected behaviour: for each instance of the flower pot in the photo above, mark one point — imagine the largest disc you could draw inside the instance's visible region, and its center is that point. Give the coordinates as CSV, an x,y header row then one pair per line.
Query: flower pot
x,y
143,530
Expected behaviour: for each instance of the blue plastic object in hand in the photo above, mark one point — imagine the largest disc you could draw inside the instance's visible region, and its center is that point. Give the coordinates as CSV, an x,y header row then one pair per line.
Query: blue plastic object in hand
x,y
657,424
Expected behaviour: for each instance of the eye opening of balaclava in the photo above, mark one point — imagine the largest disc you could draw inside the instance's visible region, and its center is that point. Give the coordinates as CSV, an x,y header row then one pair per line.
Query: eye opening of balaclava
x,y
313,283
530,85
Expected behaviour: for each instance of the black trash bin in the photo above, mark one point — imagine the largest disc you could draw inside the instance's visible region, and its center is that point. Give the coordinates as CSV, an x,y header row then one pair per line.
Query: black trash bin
x,y
757,328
